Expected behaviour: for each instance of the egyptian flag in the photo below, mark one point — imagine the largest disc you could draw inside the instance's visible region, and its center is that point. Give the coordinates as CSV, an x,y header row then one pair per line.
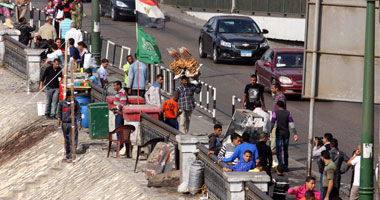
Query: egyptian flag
x,y
149,14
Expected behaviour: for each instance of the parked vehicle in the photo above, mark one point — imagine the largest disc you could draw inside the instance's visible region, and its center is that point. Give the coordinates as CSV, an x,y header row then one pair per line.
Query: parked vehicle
x,y
282,65
234,38
117,8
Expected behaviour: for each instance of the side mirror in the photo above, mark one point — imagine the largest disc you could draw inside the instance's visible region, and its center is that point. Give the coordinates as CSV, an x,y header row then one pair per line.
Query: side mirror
x,y
265,31
267,64
210,30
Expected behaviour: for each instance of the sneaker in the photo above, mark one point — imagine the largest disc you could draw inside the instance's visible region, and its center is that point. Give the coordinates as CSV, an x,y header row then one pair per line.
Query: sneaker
x,y
286,169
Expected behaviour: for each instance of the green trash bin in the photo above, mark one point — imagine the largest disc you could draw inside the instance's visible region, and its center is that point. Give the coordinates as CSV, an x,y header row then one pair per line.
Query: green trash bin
x,y
98,120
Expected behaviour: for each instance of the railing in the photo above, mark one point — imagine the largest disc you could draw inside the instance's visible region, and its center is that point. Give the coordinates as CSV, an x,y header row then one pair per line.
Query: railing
x,y
116,57
253,7
169,84
217,186
254,193
234,99
15,56
209,94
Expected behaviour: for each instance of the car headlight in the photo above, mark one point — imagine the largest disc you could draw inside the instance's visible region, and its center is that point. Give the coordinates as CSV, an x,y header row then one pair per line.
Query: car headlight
x,y
121,4
225,44
264,44
285,80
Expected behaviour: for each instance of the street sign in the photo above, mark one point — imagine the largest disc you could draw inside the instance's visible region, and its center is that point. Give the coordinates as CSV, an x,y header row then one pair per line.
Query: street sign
x,y
340,55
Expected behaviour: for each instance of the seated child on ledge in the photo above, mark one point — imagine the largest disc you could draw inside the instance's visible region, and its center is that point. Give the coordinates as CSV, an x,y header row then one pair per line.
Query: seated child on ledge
x,y
243,165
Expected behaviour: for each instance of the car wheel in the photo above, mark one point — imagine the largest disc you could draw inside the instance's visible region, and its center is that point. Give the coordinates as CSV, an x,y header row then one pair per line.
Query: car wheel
x,y
215,56
114,14
202,54
102,13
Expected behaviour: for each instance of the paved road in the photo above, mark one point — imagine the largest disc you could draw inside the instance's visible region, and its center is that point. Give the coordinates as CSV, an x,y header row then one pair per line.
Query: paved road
x,y
340,118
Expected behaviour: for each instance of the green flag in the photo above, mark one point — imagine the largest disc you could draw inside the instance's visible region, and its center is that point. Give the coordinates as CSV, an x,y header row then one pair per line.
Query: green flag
x,y
147,49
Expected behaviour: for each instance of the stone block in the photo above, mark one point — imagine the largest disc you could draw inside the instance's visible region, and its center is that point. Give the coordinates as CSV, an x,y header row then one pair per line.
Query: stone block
x,y
169,179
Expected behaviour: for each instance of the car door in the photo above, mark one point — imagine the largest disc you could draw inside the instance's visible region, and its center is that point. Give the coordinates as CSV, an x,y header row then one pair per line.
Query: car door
x,y
266,71
209,35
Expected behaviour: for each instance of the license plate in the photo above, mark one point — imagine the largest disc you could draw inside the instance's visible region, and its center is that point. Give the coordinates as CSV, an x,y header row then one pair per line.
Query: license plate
x,y
246,53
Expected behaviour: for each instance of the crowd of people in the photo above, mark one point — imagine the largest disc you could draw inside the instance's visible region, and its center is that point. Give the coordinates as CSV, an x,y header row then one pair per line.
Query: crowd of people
x,y
242,153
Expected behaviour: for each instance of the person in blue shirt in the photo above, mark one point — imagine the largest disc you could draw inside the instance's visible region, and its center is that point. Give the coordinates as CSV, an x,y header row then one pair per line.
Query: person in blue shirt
x,y
137,77
90,77
241,149
244,165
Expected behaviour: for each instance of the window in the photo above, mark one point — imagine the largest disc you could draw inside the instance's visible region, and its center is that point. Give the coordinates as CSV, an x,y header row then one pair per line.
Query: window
x,y
289,60
238,26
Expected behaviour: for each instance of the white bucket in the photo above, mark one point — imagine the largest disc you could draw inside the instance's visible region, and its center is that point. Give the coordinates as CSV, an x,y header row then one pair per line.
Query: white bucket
x,y
41,108
114,136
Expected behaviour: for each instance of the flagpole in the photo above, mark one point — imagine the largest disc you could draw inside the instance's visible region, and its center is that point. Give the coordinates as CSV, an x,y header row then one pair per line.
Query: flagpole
x,y
137,44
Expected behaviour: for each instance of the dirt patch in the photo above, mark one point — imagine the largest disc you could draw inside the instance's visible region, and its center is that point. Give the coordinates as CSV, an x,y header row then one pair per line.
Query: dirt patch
x,y
25,138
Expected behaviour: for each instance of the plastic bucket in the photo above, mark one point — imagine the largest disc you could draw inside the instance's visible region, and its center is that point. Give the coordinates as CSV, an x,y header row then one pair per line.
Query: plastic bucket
x,y
41,108
83,98
84,112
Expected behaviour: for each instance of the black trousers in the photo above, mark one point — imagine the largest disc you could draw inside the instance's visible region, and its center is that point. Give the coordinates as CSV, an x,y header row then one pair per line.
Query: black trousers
x,y
141,93
66,128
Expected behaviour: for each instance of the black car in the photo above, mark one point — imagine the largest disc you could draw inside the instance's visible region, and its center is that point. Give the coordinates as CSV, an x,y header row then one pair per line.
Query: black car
x,y
117,8
232,38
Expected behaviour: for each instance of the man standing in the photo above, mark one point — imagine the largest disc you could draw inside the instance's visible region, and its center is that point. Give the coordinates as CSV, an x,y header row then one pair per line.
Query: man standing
x,y
338,157
252,92
170,110
65,24
47,31
279,96
153,95
64,116
262,124
186,102
51,82
330,184
25,30
265,153
126,68
121,99
23,5
214,144
284,121
137,78
355,162
75,34
102,72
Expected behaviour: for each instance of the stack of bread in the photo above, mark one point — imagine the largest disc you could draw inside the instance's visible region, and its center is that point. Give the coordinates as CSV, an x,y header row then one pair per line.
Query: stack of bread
x,y
186,65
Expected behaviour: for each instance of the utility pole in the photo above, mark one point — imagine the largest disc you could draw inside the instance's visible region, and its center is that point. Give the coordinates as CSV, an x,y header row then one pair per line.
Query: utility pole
x,y
366,188
95,31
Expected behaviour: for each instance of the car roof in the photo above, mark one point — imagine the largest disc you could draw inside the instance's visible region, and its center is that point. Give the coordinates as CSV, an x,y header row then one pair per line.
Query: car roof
x,y
232,17
285,50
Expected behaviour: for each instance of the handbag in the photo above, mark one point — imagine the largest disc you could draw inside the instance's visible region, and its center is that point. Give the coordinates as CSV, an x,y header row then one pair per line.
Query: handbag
x,y
59,14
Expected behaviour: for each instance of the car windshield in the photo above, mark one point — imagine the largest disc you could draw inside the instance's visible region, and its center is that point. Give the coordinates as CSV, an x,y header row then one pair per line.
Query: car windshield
x,y
289,60
238,26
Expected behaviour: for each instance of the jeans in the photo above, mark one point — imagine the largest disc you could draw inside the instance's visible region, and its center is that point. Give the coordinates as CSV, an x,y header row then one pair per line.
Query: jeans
x,y
52,97
282,144
172,122
119,121
321,188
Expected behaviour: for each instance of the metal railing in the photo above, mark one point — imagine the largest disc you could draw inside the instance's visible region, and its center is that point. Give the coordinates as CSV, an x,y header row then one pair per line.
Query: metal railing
x,y
253,7
209,95
113,55
234,99
15,56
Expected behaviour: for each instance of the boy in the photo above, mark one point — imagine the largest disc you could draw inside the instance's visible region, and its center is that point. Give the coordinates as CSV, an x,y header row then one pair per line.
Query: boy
x,y
281,183
64,116
259,167
214,141
309,195
228,148
170,110
50,10
244,165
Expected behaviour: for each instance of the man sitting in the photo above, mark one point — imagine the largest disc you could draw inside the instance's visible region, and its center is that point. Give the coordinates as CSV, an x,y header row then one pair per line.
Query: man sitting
x,y
244,165
229,148
213,140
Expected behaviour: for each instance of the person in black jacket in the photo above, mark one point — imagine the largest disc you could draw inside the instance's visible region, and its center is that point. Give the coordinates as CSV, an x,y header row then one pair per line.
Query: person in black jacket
x,y
214,141
51,82
25,30
265,152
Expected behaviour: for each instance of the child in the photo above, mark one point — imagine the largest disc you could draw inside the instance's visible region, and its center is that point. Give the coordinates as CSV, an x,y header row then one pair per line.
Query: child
x,y
244,165
281,183
309,195
50,10
228,148
170,110
214,144
90,77
259,167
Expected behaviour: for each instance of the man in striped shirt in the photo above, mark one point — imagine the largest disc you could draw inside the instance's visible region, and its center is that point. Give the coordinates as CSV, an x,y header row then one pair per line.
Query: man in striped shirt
x,y
121,99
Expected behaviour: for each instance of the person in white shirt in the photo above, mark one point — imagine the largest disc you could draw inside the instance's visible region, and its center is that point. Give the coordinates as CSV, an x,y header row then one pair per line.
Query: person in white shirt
x,y
56,54
75,34
153,95
355,162
263,122
102,73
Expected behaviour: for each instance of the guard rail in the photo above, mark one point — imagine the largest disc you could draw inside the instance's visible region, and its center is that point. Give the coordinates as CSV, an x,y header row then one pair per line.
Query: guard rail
x,y
234,99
